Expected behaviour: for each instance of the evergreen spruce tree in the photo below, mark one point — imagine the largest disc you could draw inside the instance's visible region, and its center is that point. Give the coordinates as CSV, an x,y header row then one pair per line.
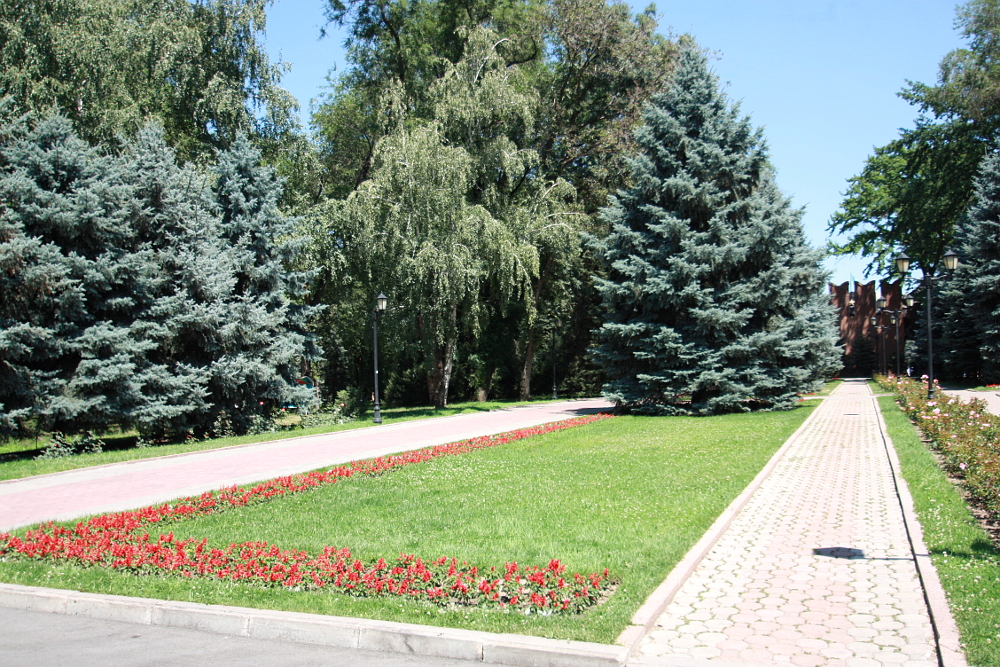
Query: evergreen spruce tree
x,y
134,294
70,288
715,301
975,299
264,333
175,243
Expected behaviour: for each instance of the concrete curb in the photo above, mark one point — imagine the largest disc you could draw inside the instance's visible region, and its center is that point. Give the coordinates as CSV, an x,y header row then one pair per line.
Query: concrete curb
x,y
386,636
645,618
947,635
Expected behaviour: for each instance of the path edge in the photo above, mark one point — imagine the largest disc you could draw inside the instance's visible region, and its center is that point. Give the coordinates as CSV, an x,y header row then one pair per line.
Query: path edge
x,y
338,631
649,613
948,638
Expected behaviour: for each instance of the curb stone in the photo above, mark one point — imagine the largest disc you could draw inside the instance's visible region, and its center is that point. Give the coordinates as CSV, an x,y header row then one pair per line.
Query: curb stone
x,y
385,636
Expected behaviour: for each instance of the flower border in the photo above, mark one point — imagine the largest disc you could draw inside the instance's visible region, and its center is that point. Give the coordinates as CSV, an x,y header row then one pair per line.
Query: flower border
x,y
117,541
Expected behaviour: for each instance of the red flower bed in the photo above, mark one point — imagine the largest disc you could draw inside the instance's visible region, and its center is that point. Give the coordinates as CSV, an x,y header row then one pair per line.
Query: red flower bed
x,y
121,541
966,435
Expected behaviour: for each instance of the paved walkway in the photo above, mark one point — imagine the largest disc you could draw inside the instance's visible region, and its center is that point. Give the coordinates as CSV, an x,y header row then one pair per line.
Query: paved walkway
x,y
992,398
121,486
816,569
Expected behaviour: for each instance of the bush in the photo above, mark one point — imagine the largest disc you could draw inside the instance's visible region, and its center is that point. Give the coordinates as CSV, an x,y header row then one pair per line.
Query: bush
x,y
965,434
60,446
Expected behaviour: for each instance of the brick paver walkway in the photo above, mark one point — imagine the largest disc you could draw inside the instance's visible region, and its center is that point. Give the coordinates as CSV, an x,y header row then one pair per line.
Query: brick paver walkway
x,y
121,486
815,570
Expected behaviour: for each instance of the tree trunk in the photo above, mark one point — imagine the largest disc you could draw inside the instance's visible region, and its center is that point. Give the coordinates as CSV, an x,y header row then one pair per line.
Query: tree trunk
x,y
483,392
529,346
529,360
442,365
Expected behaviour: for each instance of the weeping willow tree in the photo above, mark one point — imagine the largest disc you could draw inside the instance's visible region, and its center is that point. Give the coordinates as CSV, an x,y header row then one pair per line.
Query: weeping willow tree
x,y
454,222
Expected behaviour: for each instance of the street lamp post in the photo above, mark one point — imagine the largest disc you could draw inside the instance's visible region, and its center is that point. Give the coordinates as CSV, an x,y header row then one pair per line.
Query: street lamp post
x,y
381,301
894,318
555,384
950,259
880,353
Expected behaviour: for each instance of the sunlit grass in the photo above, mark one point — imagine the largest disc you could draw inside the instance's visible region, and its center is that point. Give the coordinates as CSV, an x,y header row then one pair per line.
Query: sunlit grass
x,y
967,562
825,390
631,494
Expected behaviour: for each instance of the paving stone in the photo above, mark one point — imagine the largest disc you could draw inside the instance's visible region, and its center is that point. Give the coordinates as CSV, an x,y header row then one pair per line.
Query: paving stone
x,y
769,598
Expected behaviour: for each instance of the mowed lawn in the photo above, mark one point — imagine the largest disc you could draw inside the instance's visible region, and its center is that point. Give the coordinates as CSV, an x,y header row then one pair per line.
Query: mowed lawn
x,y
631,494
967,562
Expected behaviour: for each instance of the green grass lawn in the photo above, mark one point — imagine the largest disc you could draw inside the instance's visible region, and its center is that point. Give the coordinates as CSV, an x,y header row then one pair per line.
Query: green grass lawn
x,y
825,391
17,457
632,494
965,558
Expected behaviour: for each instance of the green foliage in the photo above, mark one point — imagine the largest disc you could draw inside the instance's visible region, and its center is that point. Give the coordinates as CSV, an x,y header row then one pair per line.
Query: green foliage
x,y
542,97
969,78
60,446
910,196
111,66
715,302
970,317
136,295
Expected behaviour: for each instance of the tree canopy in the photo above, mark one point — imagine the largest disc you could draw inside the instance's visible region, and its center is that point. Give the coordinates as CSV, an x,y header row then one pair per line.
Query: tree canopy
x,y
111,66
715,303
139,292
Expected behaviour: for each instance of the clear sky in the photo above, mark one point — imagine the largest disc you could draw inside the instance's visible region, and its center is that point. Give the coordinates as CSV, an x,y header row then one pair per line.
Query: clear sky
x,y
821,77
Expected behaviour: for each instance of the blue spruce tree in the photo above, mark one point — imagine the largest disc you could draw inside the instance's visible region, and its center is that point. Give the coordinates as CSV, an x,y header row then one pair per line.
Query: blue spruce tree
x,y
715,302
970,316
264,335
133,293
68,284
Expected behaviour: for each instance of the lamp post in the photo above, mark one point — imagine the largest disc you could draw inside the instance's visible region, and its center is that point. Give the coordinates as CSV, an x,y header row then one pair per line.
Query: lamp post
x,y
381,301
880,354
555,385
894,317
950,260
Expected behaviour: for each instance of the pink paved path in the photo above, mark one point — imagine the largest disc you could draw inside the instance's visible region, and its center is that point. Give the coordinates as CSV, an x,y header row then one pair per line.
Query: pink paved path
x,y
120,486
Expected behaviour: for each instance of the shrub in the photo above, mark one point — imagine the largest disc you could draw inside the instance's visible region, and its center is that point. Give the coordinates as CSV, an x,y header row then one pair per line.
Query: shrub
x,y
966,435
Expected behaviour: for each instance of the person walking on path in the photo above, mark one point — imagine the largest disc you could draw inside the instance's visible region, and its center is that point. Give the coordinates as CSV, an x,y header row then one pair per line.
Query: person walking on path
x,y
818,567
123,486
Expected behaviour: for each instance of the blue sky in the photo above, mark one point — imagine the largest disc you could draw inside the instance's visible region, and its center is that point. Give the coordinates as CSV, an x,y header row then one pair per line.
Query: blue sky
x,y
820,76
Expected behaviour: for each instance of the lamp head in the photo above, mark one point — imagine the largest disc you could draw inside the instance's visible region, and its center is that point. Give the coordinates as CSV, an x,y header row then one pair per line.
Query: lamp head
x,y
950,260
381,301
880,302
874,320
908,300
902,262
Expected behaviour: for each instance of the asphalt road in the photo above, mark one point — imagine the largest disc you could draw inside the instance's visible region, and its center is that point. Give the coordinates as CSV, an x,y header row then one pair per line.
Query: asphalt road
x,y
38,639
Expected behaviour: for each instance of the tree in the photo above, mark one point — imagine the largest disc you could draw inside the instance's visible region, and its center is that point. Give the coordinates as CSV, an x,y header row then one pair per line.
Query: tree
x,y
969,78
111,66
67,283
971,321
715,302
541,95
602,67
134,294
910,195
411,227
264,334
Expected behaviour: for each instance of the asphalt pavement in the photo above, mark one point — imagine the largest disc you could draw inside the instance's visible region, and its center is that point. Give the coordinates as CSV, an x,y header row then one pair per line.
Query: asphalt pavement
x,y
39,639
